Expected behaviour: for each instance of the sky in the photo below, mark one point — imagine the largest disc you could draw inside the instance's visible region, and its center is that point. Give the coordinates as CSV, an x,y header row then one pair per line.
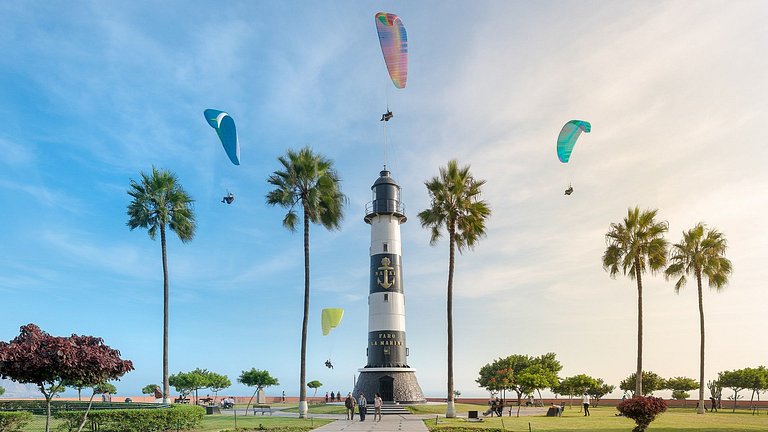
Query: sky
x,y
94,93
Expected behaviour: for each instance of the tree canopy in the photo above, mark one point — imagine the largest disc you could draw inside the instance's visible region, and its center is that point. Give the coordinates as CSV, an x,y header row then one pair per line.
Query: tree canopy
x,y
36,357
520,373
257,378
149,389
651,382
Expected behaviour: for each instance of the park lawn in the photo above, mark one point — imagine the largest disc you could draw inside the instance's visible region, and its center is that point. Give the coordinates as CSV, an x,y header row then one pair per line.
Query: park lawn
x,y
217,423
604,420
319,409
440,408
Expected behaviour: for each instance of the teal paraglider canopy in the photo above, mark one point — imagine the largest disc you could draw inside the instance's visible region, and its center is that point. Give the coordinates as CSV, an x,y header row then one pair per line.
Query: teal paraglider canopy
x,y
568,136
224,125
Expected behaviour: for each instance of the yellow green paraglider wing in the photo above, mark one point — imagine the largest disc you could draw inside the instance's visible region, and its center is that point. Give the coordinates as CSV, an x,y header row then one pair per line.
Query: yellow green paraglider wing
x,y
331,318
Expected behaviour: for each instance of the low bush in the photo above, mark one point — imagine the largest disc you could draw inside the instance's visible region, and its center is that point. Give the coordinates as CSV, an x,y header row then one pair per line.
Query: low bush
x,y
14,421
642,409
136,420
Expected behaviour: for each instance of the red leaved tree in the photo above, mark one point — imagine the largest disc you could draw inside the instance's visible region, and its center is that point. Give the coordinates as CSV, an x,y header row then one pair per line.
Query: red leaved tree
x,y
643,410
35,357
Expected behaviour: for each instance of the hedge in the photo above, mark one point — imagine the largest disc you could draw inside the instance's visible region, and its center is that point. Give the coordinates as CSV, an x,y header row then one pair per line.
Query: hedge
x,y
177,417
14,421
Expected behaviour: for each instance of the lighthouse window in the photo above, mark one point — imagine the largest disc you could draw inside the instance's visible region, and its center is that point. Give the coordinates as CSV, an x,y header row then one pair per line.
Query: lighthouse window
x,y
386,247
386,297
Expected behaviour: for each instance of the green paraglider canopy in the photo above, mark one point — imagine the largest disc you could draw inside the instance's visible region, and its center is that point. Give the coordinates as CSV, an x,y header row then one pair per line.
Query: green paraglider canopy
x,y
568,136
331,318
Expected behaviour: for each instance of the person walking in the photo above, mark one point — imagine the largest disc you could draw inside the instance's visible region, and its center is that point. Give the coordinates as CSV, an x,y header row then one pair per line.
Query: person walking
x,y
349,404
377,402
362,405
585,400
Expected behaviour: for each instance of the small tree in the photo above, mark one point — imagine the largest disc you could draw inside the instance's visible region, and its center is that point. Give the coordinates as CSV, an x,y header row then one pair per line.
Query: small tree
x,y
188,382
576,385
680,387
599,389
217,383
642,409
105,387
314,385
256,378
651,382
736,380
150,389
35,357
498,376
2,390
77,385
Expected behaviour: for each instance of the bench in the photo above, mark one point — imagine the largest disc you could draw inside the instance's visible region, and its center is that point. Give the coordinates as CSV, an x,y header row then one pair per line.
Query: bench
x,y
262,409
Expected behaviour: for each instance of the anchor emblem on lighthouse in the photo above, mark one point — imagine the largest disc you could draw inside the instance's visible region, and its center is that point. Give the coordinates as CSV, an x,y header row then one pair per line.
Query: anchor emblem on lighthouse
x,y
386,270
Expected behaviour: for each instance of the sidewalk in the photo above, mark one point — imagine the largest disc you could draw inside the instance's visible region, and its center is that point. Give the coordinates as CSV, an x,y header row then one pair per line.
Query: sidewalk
x,y
400,423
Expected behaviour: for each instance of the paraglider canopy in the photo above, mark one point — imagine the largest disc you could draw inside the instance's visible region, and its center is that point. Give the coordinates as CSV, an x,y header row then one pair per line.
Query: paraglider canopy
x,y
224,126
568,136
394,45
331,318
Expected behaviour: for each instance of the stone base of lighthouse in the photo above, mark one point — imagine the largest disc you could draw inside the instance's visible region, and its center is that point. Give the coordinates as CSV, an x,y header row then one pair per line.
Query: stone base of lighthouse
x,y
393,384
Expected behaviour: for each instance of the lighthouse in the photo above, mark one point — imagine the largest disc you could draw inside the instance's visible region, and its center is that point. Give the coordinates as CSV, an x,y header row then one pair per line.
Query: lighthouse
x,y
387,371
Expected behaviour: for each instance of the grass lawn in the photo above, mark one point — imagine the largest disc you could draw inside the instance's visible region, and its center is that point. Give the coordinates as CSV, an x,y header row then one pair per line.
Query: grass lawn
x,y
217,423
604,420
318,409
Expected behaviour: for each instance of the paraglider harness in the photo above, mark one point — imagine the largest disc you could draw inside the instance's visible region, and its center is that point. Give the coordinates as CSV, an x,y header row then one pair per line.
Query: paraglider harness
x,y
569,190
328,364
229,198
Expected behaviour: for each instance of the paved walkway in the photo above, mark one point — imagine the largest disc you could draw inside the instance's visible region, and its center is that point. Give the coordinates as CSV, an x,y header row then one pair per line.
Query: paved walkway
x,y
399,423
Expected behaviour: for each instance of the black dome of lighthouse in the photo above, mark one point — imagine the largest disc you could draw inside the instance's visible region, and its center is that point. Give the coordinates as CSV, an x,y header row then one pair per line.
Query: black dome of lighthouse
x,y
386,199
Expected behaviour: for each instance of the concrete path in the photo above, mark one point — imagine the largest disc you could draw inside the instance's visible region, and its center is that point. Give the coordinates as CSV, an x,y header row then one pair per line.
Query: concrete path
x,y
398,423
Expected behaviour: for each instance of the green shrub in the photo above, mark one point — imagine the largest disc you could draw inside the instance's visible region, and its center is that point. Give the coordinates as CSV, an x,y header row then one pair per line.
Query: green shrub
x,y
14,421
643,410
136,420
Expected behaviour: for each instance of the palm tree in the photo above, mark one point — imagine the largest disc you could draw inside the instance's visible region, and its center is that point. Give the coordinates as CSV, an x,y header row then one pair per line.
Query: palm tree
x,y
701,253
309,181
160,201
635,246
457,208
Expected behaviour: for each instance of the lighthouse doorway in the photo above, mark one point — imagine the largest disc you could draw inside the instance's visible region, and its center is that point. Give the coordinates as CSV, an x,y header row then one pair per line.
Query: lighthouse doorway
x,y
387,388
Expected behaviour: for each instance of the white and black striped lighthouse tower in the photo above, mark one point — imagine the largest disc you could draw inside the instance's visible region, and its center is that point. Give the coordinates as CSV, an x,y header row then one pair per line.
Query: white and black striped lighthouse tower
x,y
387,371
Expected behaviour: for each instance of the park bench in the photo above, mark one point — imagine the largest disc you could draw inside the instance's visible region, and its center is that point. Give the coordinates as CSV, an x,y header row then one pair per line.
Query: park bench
x,y
262,409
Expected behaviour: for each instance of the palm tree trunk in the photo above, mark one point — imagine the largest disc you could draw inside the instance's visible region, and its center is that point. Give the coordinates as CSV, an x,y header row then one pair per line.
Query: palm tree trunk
x,y
451,411
700,409
303,373
639,376
166,388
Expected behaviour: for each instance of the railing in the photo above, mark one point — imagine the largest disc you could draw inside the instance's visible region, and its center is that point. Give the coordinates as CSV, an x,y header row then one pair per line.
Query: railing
x,y
385,206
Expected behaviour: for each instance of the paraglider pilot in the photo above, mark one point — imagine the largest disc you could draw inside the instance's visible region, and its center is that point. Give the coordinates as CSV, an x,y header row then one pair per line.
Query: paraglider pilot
x,y
328,364
386,116
228,198
569,190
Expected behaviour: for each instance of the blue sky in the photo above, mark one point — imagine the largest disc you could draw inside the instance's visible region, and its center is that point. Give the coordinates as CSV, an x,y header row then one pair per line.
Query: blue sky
x,y
96,92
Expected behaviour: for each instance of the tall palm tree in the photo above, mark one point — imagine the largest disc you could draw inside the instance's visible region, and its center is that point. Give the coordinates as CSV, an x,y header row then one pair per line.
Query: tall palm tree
x,y
457,208
309,181
635,246
160,201
701,253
